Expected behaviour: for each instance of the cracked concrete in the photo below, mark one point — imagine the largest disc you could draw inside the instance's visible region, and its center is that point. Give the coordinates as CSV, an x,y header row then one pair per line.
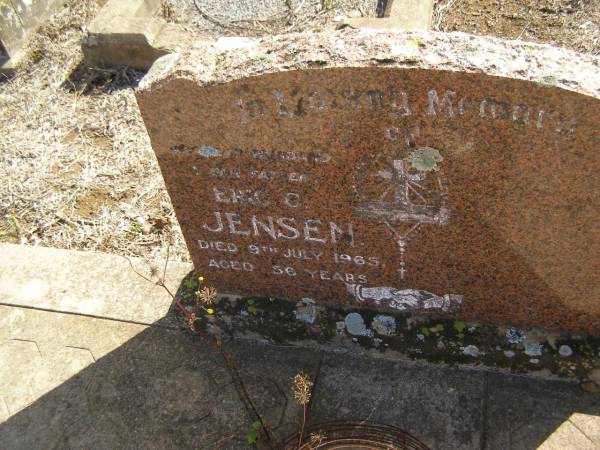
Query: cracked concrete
x,y
73,381
79,282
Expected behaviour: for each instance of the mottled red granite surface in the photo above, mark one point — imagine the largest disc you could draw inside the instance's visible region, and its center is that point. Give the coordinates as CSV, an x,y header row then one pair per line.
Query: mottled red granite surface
x,y
330,182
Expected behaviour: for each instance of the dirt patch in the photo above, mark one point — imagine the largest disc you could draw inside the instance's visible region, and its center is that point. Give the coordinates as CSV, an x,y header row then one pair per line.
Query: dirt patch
x,y
567,23
90,135
90,204
95,81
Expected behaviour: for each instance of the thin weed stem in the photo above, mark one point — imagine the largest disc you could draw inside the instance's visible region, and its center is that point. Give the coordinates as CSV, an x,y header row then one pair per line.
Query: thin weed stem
x,y
304,408
217,344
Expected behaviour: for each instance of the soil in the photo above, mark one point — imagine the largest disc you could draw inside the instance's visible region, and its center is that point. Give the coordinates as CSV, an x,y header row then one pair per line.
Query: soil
x,y
89,205
573,24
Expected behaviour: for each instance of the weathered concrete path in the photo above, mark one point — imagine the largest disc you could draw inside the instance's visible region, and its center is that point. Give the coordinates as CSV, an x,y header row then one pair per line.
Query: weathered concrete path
x,y
123,374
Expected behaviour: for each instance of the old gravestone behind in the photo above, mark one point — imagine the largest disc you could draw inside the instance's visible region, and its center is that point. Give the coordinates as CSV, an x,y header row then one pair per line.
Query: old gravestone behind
x,y
386,170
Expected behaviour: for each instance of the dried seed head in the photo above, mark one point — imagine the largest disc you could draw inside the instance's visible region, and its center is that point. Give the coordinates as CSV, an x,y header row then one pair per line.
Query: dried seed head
x,y
316,438
302,387
206,296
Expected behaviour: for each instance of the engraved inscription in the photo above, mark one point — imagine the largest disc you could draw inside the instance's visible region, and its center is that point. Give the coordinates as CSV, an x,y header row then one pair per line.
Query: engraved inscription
x,y
401,188
433,104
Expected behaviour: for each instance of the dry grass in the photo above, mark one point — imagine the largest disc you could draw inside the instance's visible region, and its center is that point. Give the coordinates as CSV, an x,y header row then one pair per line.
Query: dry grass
x,y
76,167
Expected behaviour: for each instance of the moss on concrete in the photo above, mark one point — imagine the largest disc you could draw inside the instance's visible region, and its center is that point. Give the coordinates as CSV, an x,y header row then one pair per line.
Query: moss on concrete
x,y
432,338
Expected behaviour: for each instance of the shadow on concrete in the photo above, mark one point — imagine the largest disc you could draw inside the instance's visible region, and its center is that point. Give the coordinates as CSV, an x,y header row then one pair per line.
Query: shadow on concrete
x,y
167,389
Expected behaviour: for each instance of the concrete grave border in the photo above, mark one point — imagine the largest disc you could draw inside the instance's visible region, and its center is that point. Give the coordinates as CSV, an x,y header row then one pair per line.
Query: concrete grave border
x,y
129,32
104,286
85,283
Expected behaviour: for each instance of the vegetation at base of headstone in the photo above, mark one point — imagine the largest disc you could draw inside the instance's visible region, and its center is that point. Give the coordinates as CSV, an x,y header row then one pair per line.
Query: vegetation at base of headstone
x,y
252,433
302,387
204,297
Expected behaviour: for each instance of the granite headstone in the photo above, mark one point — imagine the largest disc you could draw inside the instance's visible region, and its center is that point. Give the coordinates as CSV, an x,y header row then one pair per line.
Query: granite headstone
x,y
408,172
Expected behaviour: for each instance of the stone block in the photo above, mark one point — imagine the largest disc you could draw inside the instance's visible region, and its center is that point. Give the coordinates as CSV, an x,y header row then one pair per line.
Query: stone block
x,y
418,172
74,282
129,33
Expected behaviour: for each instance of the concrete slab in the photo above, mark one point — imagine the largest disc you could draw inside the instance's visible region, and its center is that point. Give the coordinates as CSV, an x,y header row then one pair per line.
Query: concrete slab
x,y
70,381
441,407
73,381
567,436
129,33
160,388
588,425
520,415
70,281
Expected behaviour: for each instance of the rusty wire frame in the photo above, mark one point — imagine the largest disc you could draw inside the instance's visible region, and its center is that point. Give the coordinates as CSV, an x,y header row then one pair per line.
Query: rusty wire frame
x,y
340,435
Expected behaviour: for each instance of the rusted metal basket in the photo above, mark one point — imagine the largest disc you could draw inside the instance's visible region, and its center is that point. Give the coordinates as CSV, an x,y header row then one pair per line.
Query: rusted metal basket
x,y
353,435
